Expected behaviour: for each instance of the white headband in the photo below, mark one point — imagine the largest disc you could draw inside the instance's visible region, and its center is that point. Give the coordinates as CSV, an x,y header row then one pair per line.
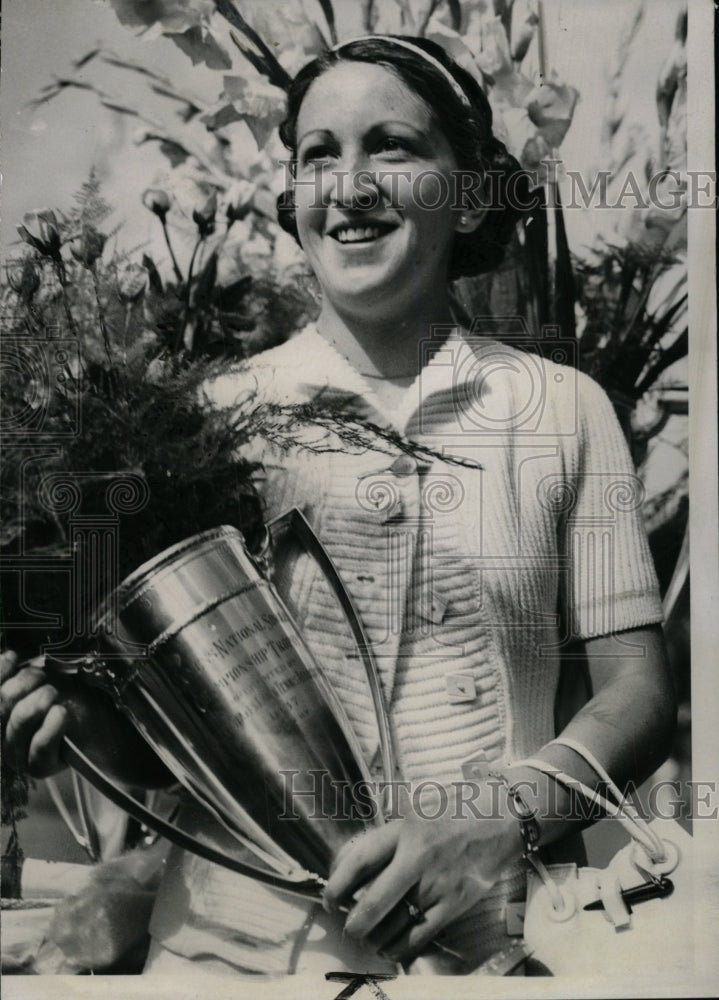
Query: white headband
x,y
411,47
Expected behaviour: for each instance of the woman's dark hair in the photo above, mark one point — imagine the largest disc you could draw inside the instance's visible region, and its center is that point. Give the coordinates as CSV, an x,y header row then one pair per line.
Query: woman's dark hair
x,y
467,126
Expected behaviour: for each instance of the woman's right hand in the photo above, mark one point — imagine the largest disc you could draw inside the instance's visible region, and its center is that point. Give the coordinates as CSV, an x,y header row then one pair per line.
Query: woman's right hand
x,y
33,720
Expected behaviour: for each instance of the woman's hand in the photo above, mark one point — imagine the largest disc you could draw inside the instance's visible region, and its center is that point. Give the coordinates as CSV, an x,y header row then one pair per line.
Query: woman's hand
x,y
36,716
33,720
443,866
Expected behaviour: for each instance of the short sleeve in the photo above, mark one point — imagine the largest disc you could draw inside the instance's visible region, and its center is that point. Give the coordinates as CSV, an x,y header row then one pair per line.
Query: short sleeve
x,y
611,584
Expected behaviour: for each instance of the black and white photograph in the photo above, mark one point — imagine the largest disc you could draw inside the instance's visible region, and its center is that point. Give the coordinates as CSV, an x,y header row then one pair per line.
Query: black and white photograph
x,y
359,548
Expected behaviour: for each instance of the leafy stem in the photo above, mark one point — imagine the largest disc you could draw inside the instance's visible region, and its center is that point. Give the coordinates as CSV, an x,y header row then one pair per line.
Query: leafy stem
x,y
188,295
62,278
175,265
101,312
273,69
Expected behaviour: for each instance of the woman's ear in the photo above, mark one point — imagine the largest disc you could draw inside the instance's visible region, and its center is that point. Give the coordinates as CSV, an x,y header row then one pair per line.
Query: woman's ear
x,y
469,219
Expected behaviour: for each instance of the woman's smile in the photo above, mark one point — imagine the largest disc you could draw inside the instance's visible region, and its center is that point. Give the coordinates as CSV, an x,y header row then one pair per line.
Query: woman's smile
x,y
359,234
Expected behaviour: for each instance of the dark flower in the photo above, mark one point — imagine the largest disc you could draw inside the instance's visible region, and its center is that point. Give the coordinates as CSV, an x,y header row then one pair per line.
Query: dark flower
x,y
87,248
204,216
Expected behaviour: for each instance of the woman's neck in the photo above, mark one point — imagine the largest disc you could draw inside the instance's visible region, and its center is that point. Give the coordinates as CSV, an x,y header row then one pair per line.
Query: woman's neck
x,y
390,348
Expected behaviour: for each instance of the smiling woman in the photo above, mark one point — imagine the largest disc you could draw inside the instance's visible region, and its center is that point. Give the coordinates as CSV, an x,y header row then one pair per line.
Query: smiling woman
x,y
457,575
474,569
399,186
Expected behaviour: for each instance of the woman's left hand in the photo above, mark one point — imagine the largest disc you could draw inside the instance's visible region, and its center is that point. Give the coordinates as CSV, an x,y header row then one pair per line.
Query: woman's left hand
x,y
414,876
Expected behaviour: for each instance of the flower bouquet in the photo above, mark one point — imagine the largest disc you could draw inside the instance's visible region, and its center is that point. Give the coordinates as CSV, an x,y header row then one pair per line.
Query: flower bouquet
x,y
113,455
106,434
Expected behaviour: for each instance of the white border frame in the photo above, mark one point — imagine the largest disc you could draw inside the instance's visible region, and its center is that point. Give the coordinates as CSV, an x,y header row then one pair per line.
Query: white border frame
x,y
705,677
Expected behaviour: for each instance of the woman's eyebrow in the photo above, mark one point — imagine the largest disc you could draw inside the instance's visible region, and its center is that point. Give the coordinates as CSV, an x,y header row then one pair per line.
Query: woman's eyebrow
x,y
398,122
393,123
315,133
379,126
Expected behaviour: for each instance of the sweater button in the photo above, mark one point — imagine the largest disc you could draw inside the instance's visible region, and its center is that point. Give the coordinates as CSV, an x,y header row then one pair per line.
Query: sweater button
x,y
432,608
405,465
460,688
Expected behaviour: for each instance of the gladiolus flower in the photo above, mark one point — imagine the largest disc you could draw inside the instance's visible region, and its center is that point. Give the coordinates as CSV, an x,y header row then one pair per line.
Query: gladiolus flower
x,y
204,216
88,246
173,15
551,108
494,59
41,231
158,201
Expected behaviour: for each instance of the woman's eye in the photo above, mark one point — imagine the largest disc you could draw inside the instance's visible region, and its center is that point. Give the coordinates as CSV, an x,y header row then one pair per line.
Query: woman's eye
x,y
393,146
316,154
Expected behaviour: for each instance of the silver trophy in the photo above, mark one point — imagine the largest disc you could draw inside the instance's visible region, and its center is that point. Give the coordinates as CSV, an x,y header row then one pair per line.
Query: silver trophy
x,y
200,652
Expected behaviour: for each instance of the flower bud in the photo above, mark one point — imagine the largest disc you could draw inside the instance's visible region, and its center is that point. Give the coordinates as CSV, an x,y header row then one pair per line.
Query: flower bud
x,y
204,216
88,246
41,231
131,283
158,201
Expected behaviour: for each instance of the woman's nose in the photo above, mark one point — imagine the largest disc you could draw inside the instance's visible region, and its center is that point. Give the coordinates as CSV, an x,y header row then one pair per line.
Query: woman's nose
x,y
353,185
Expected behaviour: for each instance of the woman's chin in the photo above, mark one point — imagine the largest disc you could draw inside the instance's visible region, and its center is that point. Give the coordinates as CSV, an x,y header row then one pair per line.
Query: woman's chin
x,y
365,298
369,287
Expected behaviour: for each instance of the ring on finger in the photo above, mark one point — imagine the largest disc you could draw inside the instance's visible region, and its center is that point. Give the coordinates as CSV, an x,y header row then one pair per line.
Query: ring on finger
x,y
416,913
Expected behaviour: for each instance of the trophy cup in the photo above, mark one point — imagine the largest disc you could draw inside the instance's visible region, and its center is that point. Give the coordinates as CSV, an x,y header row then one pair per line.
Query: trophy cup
x,y
199,651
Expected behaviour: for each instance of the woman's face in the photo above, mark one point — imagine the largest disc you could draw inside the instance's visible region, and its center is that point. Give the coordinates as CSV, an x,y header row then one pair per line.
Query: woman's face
x,y
361,130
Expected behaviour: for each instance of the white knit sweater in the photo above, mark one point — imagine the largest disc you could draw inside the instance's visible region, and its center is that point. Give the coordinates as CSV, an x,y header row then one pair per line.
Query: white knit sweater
x,y
475,575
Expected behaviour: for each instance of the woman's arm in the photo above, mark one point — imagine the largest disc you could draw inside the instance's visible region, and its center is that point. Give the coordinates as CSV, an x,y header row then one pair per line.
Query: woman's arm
x,y
447,864
628,725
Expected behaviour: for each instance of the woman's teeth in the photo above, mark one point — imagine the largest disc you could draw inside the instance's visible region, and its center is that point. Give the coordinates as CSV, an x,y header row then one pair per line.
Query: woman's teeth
x,y
357,234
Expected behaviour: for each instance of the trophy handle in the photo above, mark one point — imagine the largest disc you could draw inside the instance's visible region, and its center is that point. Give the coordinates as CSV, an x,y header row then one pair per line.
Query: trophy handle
x,y
294,522
307,886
